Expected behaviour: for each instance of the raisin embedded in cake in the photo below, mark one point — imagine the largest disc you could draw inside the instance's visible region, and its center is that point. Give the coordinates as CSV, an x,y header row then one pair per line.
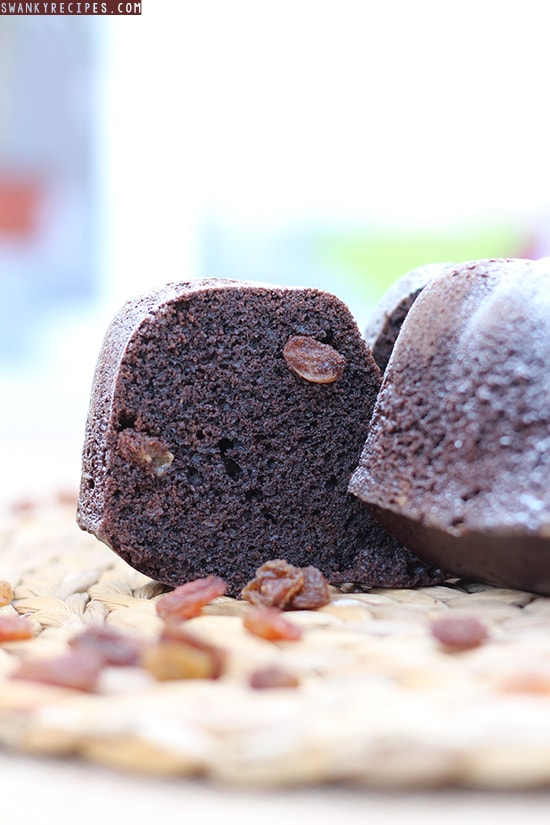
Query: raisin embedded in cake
x,y
388,316
225,422
457,460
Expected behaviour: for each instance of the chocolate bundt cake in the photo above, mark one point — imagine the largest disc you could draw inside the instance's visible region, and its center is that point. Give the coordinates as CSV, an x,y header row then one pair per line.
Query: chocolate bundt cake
x,y
457,461
387,317
225,421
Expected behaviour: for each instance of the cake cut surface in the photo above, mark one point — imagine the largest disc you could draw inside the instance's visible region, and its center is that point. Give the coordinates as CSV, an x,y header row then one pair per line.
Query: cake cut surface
x,y
457,460
226,419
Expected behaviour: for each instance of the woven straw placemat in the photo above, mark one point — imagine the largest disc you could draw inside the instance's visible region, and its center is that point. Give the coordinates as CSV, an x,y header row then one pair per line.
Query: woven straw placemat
x,y
380,702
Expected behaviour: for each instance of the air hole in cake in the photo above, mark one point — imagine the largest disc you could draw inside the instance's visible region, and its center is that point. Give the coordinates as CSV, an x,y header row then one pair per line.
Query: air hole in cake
x,y
199,435
268,516
126,420
470,494
415,569
330,483
327,337
310,430
264,440
194,477
352,522
254,495
224,445
233,470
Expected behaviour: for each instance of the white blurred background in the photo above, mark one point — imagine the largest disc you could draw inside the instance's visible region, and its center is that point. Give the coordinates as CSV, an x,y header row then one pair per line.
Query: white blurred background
x,y
336,144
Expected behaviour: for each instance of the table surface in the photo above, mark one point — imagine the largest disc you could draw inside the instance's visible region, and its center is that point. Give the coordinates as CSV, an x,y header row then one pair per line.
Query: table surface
x,y
43,790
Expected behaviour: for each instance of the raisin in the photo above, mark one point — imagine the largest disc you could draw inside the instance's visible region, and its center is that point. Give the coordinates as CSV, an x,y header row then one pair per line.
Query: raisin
x,y
530,682
180,634
67,498
459,632
272,677
115,648
141,449
187,600
182,655
312,360
24,506
270,624
276,583
78,670
6,593
314,593
280,584
15,628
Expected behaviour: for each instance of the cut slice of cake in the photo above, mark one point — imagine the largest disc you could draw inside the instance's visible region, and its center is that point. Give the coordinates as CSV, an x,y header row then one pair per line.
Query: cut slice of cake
x,y
226,419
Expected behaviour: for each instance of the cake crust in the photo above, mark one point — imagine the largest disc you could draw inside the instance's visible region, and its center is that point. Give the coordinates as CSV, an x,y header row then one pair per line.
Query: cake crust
x,y
464,413
387,317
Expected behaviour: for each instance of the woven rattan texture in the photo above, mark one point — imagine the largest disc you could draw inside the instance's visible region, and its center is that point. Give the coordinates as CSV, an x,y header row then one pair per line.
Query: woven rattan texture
x,y
380,701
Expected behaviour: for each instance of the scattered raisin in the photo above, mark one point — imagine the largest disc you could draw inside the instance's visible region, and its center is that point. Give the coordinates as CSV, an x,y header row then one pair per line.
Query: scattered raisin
x,y
182,656
270,624
114,647
145,451
67,497
312,360
78,670
180,634
15,628
6,593
24,506
187,600
276,583
459,632
314,593
168,661
280,584
272,677
529,682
